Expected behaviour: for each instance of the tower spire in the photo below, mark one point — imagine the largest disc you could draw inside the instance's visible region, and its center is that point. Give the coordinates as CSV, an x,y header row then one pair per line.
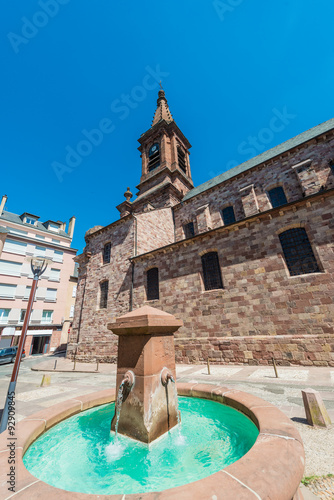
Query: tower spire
x,y
162,111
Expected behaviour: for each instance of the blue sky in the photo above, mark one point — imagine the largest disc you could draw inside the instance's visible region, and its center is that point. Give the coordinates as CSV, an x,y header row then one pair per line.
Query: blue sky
x,y
240,77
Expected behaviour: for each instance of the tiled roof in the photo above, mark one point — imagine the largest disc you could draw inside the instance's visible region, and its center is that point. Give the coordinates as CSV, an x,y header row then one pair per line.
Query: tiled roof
x,y
263,157
8,216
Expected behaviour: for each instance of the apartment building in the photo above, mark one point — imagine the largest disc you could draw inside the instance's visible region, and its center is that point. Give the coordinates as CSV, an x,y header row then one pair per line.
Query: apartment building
x,y
27,237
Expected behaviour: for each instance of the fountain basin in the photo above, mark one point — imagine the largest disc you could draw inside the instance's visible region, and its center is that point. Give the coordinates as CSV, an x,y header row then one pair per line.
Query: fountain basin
x,y
272,468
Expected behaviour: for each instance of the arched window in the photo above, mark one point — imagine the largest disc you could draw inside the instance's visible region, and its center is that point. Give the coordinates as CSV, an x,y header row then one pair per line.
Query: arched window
x,y
152,288
104,287
298,252
153,157
106,253
277,197
181,159
228,215
211,271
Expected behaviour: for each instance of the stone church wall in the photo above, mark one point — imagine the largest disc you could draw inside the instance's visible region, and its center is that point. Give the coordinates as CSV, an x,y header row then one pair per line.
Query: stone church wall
x,y
262,312
155,229
279,172
90,338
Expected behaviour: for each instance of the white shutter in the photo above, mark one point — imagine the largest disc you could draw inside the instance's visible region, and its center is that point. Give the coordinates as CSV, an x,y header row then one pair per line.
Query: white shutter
x,y
40,251
58,256
54,274
10,268
27,292
40,292
15,247
7,291
51,295
74,292
14,316
72,311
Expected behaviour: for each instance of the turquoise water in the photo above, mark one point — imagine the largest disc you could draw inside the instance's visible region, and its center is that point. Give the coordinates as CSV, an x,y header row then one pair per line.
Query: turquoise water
x,y
80,453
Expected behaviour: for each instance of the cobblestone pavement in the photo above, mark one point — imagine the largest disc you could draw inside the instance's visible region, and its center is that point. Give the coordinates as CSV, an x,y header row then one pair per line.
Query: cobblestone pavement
x,y
284,392
322,488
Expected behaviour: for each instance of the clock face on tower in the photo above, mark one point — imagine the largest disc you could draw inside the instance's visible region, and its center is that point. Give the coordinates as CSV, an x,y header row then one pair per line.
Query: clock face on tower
x,y
153,149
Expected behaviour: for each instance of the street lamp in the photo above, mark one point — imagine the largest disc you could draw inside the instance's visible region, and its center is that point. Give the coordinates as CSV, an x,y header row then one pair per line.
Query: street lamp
x,y
38,266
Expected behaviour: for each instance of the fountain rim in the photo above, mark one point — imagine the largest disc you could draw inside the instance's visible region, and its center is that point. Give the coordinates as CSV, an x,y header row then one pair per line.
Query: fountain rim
x,y
272,468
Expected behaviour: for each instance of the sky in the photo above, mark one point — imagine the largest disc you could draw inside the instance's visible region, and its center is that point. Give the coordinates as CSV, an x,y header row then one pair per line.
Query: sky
x,y
80,80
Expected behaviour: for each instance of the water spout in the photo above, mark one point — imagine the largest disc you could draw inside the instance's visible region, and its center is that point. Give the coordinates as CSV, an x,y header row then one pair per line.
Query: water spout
x,y
166,376
125,387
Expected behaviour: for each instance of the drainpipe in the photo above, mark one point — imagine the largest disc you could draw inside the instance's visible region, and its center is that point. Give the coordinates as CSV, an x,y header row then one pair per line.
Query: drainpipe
x,y
173,215
135,249
81,308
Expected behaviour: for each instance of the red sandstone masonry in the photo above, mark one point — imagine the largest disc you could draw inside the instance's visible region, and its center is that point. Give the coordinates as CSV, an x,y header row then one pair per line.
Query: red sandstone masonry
x,y
289,318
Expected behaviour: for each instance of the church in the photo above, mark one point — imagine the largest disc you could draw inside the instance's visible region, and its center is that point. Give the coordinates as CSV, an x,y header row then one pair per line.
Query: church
x,y
245,260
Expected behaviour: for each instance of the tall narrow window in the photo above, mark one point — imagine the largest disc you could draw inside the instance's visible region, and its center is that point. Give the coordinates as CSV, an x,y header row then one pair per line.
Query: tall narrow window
x,y
189,230
277,197
153,157
298,252
181,159
153,284
332,168
106,253
4,313
211,271
47,317
104,286
228,215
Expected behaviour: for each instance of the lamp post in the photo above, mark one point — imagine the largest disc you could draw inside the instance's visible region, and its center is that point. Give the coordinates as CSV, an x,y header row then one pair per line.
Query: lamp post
x,y
38,266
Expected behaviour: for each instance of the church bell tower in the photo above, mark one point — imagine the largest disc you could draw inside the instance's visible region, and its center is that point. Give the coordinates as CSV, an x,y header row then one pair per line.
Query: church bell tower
x,y
165,176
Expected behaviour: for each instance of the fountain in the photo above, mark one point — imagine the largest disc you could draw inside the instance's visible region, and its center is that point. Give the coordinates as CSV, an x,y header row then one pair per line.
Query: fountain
x,y
228,444
146,350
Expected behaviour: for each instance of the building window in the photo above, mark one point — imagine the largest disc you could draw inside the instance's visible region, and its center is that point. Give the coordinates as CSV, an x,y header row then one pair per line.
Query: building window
x,y
153,157
106,253
40,251
298,252
51,295
189,230
27,292
228,215
104,286
277,197
10,268
30,220
58,256
72,311
152,277
39,237
4,313
22,315
181,159
56,241
17,247
54,275
7,291
332,168
47,317
74,291
211,271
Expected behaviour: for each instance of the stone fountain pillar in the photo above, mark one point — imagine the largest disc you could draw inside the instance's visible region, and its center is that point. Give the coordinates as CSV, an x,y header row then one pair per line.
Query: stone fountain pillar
x,y
146,347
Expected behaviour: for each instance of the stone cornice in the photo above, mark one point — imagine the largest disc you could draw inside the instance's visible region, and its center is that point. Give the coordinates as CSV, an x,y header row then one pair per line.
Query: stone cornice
x,y
244,223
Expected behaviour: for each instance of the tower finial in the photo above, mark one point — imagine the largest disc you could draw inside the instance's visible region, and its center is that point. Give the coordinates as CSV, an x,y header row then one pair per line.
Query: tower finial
x,y
160,85
162,111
